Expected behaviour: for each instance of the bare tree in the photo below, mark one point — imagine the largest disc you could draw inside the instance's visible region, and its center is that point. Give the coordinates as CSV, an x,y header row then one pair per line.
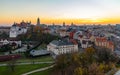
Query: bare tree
x,y
12,63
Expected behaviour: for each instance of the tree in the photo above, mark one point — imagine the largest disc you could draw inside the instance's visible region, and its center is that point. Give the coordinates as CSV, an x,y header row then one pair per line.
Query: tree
x,y
5,48
90,54
62,63
105,55
90,62
75,59
79,71
101,67
12,64
93,69
90,51
4,35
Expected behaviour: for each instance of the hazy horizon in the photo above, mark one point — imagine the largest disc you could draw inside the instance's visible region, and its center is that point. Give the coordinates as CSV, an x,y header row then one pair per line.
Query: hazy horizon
x,y
59,11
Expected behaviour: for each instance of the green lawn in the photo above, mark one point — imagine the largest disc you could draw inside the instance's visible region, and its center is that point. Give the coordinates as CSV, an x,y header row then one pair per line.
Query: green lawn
x,y
46,72
20,69
38,59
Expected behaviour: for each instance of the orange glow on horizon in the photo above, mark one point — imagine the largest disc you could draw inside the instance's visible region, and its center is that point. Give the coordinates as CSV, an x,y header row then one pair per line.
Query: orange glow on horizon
x,y
60,21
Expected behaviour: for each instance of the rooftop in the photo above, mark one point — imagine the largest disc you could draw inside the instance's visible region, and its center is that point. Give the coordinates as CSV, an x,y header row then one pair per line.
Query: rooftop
x,y
61,42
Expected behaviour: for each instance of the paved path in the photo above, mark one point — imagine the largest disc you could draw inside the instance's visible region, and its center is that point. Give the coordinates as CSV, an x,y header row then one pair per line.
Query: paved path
x,y
26,63
117,73
37,70
111,72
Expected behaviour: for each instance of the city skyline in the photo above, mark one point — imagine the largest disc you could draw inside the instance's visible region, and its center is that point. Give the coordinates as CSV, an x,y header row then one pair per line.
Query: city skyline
x,y
59,11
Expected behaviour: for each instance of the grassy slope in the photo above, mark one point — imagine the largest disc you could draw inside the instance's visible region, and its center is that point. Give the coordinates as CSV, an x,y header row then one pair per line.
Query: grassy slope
x,y
46,72
5,70
38,59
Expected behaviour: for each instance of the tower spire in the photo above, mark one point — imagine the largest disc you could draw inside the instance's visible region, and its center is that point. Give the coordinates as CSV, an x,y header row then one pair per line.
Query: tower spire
x,y
38,21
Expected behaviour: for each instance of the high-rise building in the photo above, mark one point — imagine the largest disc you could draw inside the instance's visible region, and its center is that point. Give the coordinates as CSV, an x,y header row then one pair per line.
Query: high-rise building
x,y
38,21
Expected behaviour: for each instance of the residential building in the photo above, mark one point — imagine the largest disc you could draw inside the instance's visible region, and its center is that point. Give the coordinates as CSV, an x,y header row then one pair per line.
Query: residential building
x,y
63,32
18,29
62,47
103,42
11,41
4,30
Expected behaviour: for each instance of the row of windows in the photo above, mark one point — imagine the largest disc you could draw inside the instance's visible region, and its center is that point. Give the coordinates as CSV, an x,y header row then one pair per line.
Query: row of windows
x,y
66,46
65,51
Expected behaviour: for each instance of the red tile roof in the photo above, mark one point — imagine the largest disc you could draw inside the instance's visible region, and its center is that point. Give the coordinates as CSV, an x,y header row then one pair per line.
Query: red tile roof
x,y
101,39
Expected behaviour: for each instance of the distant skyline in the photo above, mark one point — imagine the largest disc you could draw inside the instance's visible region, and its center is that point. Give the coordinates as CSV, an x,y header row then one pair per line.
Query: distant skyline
x,y
59,11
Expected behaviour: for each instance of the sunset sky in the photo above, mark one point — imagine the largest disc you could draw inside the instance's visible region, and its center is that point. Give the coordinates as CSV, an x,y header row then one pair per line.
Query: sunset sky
x,y
59,11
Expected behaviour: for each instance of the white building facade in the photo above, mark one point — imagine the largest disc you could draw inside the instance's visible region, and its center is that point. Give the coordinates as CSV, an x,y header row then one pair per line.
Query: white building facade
x,y
10,41
16,30
60,47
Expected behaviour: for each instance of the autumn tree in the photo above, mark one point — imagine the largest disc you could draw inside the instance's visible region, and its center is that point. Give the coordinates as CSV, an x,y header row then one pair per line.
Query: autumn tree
x,y
61,63
79,71
105,55
89,62
93,69
90,54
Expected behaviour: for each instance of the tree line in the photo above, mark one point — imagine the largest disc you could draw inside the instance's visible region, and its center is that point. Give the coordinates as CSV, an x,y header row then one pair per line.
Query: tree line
x,y
93,61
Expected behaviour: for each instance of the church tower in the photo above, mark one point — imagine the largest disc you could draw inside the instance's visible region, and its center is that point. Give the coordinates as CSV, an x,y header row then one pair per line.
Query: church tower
x,y
63,23
38,22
